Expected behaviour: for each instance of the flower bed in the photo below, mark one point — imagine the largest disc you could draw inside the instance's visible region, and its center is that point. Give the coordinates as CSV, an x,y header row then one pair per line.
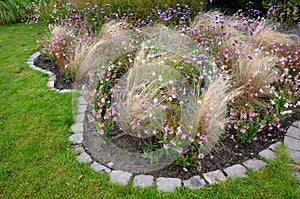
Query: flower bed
x,y
176,90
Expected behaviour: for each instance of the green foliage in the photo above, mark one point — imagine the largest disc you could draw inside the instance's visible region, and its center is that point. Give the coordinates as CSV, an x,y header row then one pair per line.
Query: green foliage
x,y
286,12
12,11
231,7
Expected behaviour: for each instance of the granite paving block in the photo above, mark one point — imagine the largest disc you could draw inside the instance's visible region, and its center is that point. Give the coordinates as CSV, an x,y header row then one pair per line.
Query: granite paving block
x,y
267,154
120,177
254,164
143,181
214,177
168,184
194,182
292,143
236,170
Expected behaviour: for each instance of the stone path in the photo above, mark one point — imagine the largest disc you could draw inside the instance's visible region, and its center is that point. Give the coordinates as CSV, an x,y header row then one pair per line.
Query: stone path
x,y
291,141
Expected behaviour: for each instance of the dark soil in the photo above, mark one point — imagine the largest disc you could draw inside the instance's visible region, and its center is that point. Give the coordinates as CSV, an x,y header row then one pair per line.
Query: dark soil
x,y
231,152
61,82
228,151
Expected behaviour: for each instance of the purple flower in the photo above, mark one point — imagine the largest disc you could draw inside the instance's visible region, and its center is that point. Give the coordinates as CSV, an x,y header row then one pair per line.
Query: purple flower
x,y
237,52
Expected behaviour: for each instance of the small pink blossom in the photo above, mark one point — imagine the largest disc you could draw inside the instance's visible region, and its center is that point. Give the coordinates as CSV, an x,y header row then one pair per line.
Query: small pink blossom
x,y
243,131
244,115
101,132
179,150
166,146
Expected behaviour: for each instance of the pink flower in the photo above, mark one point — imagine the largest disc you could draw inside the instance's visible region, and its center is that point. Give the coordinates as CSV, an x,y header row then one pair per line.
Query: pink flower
x,y
262,125
244,115
101,132
166,146
173,142
165,136
179,150
91,119
252,114
243,130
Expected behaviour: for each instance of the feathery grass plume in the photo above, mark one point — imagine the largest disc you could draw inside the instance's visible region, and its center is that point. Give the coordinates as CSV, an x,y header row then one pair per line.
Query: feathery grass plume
x,y
112,28
108,48
83,51
76,60
210,114
266,36
138,92
254,75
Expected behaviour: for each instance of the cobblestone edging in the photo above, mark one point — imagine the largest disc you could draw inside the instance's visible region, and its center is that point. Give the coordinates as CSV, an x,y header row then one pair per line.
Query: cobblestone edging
x,y
291,141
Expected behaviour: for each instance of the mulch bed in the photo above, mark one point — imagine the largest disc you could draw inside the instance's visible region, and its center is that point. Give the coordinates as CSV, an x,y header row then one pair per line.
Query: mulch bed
x,y
61,81
227,153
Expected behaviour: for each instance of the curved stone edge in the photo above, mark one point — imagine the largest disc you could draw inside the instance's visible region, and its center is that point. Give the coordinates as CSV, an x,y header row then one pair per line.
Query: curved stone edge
x,y
51,76
195,182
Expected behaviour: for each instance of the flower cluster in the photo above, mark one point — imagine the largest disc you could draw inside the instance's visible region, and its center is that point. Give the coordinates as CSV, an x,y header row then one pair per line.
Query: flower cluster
x,y
65,37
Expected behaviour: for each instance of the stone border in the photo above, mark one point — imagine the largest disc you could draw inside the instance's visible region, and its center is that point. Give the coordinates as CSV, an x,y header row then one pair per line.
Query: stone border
x,y
291,141
51,76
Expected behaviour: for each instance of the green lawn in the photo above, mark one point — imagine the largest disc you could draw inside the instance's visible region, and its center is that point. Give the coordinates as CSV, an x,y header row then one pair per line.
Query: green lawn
x,y
34,126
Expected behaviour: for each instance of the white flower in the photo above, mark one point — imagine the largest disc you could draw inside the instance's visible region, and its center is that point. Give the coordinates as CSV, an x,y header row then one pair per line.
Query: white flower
x,y
160,78
155,100
261,90
286,112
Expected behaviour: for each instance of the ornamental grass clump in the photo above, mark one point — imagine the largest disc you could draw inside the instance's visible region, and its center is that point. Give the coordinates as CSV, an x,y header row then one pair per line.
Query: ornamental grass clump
x,y
160,84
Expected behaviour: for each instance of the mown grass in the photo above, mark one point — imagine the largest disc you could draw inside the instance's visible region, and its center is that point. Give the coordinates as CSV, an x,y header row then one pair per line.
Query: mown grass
x,y
34,155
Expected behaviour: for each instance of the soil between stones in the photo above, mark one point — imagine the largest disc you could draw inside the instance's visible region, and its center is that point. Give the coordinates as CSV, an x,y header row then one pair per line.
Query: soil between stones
x,y
227,153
